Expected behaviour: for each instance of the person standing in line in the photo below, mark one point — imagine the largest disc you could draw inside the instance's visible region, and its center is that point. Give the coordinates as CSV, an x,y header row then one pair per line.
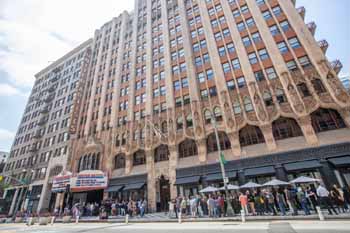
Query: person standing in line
x,y
303,200
193,204
291,195
183,206
251,202
281,202
177,206
243,199
323,194
211,206
270,202
171,208
311,195
338,196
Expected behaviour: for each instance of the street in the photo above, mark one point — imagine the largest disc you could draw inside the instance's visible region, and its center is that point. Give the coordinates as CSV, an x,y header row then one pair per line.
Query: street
x,y
249,227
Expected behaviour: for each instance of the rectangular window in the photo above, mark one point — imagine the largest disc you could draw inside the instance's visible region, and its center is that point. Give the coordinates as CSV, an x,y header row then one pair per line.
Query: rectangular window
x,y
226,67
267,15
252,58
210,74
277,11
259,76
304,61
282,46
230,85
250,22
201,77
241,26
271,74
256,37
230,48
294,43
235,64
245,9
263,54
274,30
285,25
222,51
246,41
176,85
241,82
292,65
184,82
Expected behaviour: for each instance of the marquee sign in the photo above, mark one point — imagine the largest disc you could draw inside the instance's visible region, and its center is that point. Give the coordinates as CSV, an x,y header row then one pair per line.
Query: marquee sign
x,y
89,180
60,182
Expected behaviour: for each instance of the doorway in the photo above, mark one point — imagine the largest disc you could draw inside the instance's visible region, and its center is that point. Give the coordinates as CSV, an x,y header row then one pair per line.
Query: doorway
x,y
164,189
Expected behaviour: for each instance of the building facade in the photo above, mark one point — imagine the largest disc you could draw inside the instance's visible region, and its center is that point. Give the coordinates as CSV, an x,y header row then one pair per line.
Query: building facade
x,y
41,145
159,75
345,79
3,158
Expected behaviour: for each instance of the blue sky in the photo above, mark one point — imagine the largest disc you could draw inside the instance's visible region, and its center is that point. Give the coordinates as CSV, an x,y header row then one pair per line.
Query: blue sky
x,y
35,32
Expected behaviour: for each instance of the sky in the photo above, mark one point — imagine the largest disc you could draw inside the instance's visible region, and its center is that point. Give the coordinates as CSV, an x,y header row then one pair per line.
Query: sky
x,y
34,33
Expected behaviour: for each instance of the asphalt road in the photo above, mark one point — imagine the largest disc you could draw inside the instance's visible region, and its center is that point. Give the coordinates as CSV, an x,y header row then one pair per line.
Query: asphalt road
x,y
232,227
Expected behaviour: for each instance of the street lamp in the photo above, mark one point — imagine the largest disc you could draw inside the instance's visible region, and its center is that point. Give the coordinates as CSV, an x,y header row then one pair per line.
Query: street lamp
x,y
229,210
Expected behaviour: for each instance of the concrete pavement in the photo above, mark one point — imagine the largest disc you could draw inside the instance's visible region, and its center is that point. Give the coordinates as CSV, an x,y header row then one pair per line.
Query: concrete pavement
x,y
222,227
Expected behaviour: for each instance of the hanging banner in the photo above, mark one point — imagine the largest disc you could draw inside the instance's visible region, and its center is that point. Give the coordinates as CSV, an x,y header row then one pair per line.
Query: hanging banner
x,y
89,180
60,182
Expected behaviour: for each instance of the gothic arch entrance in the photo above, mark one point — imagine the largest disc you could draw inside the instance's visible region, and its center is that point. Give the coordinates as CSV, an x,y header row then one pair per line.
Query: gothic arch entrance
x,y
164,194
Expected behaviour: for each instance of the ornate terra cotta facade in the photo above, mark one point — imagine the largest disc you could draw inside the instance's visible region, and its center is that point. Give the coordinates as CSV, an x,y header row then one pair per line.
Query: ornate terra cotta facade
x,y
173,64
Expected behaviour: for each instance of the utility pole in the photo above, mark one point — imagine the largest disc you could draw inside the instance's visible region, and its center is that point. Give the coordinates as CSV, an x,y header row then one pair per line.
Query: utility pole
x,y
229,210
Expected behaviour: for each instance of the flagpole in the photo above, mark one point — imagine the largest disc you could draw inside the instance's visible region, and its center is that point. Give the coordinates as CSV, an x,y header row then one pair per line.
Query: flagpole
x,y
229,210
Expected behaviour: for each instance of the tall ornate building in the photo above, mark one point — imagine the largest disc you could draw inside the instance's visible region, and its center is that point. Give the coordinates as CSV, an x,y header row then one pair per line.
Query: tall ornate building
x,y
41,146
159,74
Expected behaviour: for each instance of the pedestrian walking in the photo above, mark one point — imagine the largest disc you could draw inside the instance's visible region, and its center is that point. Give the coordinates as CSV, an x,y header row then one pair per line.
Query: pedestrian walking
x,y
281,201
303,200
323,194
211,206
243,199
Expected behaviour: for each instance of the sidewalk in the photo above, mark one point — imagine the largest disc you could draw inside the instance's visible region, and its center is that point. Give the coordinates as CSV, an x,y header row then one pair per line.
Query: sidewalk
x,y
163,217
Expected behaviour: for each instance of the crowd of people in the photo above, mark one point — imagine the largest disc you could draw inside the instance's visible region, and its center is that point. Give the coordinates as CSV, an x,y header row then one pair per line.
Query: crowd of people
x,y
255,202
109,208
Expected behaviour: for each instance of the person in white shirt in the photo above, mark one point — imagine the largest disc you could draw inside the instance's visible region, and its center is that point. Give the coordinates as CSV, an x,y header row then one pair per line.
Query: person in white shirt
x,y
323,194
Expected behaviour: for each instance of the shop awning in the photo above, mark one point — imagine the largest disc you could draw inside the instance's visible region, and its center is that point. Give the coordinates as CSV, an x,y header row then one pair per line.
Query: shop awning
x,y
187,180
116,188
340,161
310,164
135,186
218,176
268,170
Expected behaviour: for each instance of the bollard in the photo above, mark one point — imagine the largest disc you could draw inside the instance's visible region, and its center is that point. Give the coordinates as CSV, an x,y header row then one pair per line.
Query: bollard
x,y
126,219
53,220
180,217
243,215
320,214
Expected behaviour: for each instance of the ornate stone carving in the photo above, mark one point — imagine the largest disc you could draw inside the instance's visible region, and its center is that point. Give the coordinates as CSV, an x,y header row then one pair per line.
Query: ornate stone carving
x,y
259,106
339,91
295,99
227,110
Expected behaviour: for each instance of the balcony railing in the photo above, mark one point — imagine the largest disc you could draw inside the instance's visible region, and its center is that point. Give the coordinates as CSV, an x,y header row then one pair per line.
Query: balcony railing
x,y
323,45
337,66
312,27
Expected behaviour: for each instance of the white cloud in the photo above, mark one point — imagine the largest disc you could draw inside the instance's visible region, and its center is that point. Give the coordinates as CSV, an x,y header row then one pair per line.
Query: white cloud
x,y
32,33
9,90
6,138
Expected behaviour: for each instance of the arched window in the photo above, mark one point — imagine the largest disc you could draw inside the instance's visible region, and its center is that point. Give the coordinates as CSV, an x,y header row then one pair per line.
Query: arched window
x,y
93,161
326,119
250,135
285,128
224,141
139,158
318,85
189,121
248,104
267,99
164,127
187,148
281,98
123,138
303,90
119,161
237,107
161,153
179,123
217,114
207,116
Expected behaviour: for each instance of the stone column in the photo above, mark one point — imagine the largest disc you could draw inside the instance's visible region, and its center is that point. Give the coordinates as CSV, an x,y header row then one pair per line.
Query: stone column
x,y
202,150
327,174
151,181
128,163
308,130
268,135
173,159
235,144
14,201
281,173
241,177
44,197
58,200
